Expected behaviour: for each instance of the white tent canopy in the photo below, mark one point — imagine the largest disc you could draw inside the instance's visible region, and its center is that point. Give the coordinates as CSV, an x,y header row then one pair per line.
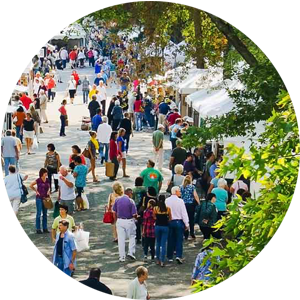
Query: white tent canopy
x,y
74,31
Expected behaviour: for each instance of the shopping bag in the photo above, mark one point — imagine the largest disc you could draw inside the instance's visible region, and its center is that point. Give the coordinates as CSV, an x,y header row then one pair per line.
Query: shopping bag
x,y
86,204
81,240
108,216
109,169
35,145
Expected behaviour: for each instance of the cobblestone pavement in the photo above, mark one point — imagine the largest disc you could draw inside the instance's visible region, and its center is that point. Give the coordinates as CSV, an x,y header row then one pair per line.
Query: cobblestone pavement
x,y
173,280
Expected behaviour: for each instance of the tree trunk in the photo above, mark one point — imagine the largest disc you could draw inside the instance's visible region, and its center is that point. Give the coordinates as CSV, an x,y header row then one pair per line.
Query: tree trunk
x,y
234,40
196,15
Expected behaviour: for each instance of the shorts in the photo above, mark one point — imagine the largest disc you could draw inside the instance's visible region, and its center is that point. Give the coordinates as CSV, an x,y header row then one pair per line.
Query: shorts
x,y
28,134
15,204
72,93
124,154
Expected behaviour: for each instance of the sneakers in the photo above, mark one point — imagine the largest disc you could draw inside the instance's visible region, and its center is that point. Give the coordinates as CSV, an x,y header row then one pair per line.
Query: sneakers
x,y
170,260
131,256
39,231
122,259
179,260
46,231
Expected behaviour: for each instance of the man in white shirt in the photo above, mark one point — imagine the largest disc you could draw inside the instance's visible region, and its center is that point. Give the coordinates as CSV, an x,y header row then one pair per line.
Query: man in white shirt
x,y
9,151
179,223
103,135
137,288
66,192
63,54
101,96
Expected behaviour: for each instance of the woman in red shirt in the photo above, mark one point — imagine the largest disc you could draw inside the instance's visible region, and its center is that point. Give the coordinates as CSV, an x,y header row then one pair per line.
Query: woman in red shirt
x,y
77,151
63,117
113,153
76,77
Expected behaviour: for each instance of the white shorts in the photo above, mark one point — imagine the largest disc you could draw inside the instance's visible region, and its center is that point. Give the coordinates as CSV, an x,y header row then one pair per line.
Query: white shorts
x,y
28,134
15,204
123,154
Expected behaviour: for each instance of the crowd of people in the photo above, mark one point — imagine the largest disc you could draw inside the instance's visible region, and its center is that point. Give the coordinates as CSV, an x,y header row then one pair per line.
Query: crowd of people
x,y
144,213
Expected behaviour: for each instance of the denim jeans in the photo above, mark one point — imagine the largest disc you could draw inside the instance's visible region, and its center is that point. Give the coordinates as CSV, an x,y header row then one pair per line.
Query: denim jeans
x,y
63,125
127,139
64,63
190,208
18,133
8,161
149,118
101,148
85,94
161,234
39,209
138,120
59,262
175,238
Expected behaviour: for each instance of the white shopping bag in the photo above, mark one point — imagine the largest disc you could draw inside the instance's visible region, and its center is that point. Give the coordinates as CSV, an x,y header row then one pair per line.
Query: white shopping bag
x,y
81,240
86,204
35,145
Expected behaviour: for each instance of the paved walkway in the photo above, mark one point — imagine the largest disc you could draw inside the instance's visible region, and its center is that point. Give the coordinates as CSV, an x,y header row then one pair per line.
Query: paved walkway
x,y
169,282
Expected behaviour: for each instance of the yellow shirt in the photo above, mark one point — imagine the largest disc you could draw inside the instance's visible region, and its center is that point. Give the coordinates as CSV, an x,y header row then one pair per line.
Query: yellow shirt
x,y
59,218
92,93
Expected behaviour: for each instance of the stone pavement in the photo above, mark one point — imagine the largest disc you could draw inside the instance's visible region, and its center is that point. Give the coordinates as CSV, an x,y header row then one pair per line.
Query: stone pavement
x,y
173,280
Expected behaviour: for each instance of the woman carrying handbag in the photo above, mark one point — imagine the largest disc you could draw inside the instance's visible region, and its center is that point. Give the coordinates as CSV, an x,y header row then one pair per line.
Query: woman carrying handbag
x,y
111,201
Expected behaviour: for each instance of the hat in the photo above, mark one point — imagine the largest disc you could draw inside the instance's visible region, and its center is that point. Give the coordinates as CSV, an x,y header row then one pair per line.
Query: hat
x,y
160,126
117,102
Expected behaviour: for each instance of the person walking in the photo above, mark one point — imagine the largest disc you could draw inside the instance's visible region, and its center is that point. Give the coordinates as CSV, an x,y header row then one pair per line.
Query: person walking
x,y
63,117
28,132
72,88
13,183
102,96
91,58
103,136
64,254
137,289
37,120
52,164
222,197
63,54
162,215
42,191
63,215
179,223
85,89
18,118
93,106
122,149
66,192
207,216
94,282
19,146
138,114
125,212
117,115
157,142
9,151
111,201
113,153
178,156
93,146
127,125
43,106
80,173
152,177
191,200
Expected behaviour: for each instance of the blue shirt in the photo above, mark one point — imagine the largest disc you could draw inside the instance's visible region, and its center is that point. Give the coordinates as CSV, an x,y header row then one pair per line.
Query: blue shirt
x,y
212,170
80,180
123,146
96,121
173,132
163,108
187,193
68,248
201,272
214,181
222,197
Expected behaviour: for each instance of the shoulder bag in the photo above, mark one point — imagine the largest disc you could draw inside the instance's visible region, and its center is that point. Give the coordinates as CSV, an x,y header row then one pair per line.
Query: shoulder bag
x,y
24,191
48,204
86,153
108,216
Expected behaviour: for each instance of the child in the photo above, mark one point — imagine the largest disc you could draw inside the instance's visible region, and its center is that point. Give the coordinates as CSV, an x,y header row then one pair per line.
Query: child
x,y
149,230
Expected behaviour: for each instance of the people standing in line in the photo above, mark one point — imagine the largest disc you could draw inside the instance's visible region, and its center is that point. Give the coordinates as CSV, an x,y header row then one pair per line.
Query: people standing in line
x,y
13,185
149,230
178,156
122,149
64,254
125,212
152,177
9,151
66,192
222,197
19,117
93,106
63,215
191,200
127,125
207,216
102,95
80,173
103,136
157,142
43,106
117,115
177,178
52,164
179,223
72,88
113,153
85,89
162,216
28,132
63,117
42,191
137,289
93,146
110,203
97,119
94,282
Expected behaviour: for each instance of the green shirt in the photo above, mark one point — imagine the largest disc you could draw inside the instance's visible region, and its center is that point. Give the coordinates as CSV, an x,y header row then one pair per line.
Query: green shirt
x,y
152,177
157,136
138,193
59,218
